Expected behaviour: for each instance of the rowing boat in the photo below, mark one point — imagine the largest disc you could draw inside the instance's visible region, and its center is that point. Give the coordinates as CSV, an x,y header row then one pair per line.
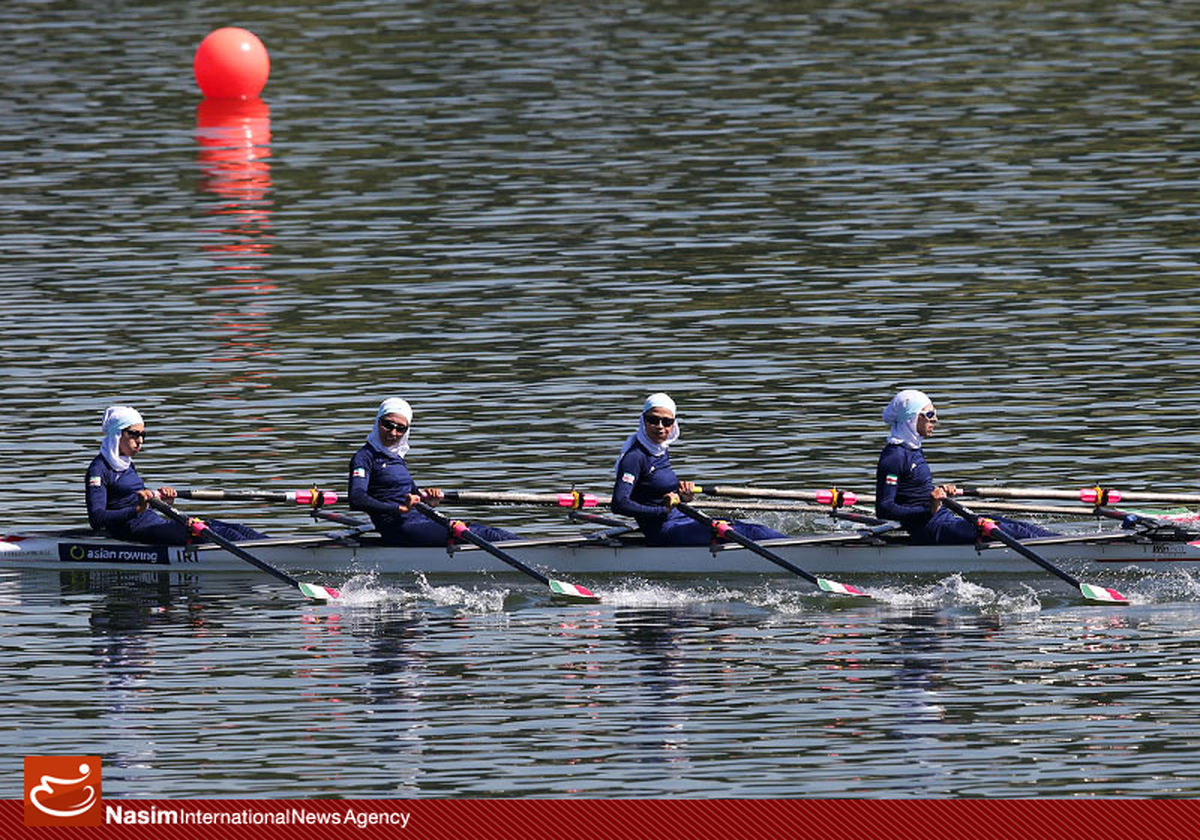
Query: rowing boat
x,y
854,554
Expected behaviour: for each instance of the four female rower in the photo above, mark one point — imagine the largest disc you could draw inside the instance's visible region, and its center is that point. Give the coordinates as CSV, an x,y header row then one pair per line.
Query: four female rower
x,y
118,500
647,488
904,489
382,487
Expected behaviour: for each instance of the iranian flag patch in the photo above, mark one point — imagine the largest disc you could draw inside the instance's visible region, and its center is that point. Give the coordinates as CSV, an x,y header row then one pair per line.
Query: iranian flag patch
x,y
359,472
892,479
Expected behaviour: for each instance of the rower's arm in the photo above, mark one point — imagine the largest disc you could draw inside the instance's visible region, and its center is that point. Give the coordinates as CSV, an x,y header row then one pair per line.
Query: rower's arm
x,y
629,471
100,516
358,495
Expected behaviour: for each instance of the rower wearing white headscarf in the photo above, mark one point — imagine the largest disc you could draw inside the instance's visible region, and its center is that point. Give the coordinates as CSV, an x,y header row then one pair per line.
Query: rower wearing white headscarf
x,y
904,488
117,497
382,487
117,419
648,489
402,410
901,415
655,448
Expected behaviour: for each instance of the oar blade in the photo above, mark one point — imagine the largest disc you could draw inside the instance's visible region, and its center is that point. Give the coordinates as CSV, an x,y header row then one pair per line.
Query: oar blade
x,y
573,592
1102,594
319,593
835,588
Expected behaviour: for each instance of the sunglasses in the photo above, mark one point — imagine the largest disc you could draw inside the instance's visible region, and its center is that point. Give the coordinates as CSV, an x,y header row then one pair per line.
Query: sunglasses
x,y
929,415
393,427
665,422
136,435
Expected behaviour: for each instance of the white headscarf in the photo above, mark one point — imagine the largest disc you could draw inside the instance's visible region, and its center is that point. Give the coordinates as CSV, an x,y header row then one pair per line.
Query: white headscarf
x,y
658,400
117,418
392,405
901,414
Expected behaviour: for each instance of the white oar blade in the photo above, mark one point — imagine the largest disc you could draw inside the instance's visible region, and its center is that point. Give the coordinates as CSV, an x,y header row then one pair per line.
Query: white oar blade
x,y
573,592
832,586
319,593
1102,594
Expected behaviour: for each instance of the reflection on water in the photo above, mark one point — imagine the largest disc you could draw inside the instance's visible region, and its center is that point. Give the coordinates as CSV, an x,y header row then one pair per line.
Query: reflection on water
x,y
234,139
715,698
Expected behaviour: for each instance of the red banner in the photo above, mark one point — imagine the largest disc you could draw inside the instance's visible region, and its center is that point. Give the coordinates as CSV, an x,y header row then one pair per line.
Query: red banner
x,y
506,819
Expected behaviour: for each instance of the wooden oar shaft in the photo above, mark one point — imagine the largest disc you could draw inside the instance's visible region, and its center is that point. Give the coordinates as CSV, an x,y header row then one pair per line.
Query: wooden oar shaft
x,y
1017,507
565,500
1075,495
772,493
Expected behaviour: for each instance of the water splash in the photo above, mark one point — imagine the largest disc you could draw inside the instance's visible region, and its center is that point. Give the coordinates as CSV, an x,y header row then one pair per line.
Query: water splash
x,y
638,592
955,592
466,601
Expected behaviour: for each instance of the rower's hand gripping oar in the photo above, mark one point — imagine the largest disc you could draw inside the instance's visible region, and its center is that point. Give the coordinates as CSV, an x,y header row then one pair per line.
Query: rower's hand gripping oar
x,y
459,531
988,528
724,530
308,590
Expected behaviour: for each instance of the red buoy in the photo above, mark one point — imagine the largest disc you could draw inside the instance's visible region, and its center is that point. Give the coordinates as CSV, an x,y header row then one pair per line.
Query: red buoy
x,y
231,63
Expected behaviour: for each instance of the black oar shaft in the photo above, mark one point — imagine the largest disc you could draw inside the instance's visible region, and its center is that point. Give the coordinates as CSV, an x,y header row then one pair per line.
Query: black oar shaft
x,y
313,497
468,535
746,542
1011,542
228,545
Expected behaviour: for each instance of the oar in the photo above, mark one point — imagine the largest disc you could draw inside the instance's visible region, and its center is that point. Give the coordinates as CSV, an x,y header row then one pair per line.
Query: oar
x,y
724,530
198,526
360,525
573,499
597,519
313,497
1096,495
832,497
1018,507
1149,525
1091,592
460,531
847,498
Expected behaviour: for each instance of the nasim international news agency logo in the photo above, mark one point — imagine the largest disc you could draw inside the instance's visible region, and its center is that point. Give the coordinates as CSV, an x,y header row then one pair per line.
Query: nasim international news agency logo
x,y
62,790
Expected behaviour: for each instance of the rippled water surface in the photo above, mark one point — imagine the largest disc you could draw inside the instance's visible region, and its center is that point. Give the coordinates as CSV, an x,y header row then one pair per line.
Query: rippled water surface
x,y
523,218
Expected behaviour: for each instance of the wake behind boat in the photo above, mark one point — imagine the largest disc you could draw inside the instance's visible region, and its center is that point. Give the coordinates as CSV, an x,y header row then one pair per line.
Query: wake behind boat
x,y
840,553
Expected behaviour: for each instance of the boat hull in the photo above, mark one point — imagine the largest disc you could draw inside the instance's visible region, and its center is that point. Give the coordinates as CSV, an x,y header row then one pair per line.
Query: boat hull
x,y
66,551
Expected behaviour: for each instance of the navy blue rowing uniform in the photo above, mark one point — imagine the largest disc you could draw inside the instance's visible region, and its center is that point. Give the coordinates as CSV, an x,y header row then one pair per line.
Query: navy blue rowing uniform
x,y
112,509
380,482
642,481
903,484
